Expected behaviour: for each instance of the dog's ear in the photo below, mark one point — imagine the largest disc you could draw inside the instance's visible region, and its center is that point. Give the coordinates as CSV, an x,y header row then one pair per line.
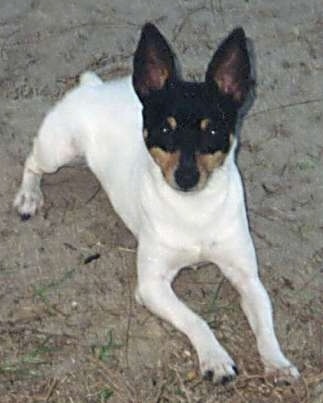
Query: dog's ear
x,y
154,62
230,67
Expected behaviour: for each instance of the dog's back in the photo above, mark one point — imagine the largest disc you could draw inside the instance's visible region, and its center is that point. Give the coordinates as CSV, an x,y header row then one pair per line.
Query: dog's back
x,y
102,123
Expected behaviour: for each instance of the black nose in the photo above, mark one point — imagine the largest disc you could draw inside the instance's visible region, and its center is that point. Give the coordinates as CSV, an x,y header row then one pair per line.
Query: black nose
x,y
186,179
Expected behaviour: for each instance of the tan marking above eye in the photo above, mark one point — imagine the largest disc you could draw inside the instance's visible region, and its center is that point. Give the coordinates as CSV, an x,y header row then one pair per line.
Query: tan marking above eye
x,y
204,124
172,122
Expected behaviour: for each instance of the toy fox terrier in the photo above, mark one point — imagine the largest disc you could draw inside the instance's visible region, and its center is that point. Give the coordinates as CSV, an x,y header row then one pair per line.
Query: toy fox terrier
x,y
164,151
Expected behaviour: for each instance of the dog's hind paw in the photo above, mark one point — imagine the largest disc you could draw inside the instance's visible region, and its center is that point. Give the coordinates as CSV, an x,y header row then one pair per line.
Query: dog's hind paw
x,y
284,375
28,203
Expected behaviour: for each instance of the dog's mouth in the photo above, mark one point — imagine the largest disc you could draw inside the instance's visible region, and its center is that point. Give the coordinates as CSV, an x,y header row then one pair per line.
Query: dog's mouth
x,y
185,181
188,181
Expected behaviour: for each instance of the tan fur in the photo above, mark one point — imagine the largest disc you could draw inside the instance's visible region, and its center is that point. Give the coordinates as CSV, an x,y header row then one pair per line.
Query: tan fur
x,y
158,73
167,162
172,122
208,162
204,124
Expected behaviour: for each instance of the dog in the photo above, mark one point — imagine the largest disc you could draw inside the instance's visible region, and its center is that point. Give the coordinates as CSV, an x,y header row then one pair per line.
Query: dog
x,y
163,149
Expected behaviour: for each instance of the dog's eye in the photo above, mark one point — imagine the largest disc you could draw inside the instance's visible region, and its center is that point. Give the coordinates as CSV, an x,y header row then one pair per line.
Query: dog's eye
x,y
166,130
212,132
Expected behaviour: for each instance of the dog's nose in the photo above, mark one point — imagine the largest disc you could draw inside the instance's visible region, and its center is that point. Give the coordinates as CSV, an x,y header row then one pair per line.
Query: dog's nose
x,y
186,179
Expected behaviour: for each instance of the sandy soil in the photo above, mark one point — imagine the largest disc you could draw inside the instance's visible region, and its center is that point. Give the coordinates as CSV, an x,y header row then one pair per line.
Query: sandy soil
x,y
71,331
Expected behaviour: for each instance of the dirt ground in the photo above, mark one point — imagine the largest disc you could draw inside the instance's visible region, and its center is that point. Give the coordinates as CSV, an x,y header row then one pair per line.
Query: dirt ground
x,y
70,330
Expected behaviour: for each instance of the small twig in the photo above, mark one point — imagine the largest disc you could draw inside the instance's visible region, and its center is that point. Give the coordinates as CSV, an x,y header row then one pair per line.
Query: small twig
x,y
307,394
93,195
123,249
69,246
52,309
217,291
315,379
299,400
51,389
129,313
160,392
182,386
239,393
180,27
286,106
13,327
263,238
91,258
115,384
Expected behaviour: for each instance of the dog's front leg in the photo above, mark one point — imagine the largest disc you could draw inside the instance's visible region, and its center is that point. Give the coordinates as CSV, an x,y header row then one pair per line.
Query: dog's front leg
x,y
156,270
237,261
53,148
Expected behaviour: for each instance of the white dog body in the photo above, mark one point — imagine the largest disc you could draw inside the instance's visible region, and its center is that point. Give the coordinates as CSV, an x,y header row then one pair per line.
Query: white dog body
x,y
102,122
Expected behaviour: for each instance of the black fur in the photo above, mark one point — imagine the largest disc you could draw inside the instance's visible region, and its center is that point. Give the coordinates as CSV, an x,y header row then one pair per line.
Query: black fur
x,y
189,104
164,94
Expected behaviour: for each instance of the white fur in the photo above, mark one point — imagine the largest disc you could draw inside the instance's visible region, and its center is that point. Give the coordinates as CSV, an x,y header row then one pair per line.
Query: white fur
x,y
102,122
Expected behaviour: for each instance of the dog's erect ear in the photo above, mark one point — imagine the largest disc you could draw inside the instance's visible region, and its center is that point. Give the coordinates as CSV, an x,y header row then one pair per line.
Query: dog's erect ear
x,y
230,67
154,62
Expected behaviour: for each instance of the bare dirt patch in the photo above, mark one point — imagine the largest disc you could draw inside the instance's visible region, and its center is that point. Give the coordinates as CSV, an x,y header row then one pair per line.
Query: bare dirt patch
x,y
70,330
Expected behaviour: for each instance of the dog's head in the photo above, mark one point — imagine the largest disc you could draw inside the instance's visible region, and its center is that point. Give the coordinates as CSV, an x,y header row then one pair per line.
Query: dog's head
x,y
189,126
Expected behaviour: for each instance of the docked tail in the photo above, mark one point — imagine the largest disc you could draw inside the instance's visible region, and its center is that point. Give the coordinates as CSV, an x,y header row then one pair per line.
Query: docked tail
x,y
90,78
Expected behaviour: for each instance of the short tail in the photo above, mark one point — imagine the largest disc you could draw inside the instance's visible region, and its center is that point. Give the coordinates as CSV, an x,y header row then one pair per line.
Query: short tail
x,y
90,78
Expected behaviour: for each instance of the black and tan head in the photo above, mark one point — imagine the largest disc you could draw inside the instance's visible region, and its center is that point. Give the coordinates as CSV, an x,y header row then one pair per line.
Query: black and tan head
x,y
189,126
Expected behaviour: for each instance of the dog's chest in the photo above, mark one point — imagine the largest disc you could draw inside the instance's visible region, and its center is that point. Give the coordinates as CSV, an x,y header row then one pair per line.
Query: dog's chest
x,y
193,225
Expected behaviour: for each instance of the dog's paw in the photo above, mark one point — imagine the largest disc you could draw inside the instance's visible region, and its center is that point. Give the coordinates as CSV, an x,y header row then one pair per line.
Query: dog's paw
x,y
28,203
286,374
218,368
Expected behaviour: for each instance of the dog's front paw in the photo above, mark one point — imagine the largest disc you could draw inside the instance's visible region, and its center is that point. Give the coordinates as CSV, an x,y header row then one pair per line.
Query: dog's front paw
x,y
28,202
218,368
282,374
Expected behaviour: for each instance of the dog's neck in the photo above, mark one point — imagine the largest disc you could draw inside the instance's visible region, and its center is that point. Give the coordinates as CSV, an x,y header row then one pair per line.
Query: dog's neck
x,y
163,203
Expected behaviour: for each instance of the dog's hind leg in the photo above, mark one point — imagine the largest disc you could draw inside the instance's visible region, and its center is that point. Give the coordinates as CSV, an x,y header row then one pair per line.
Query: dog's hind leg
x,y
53,148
